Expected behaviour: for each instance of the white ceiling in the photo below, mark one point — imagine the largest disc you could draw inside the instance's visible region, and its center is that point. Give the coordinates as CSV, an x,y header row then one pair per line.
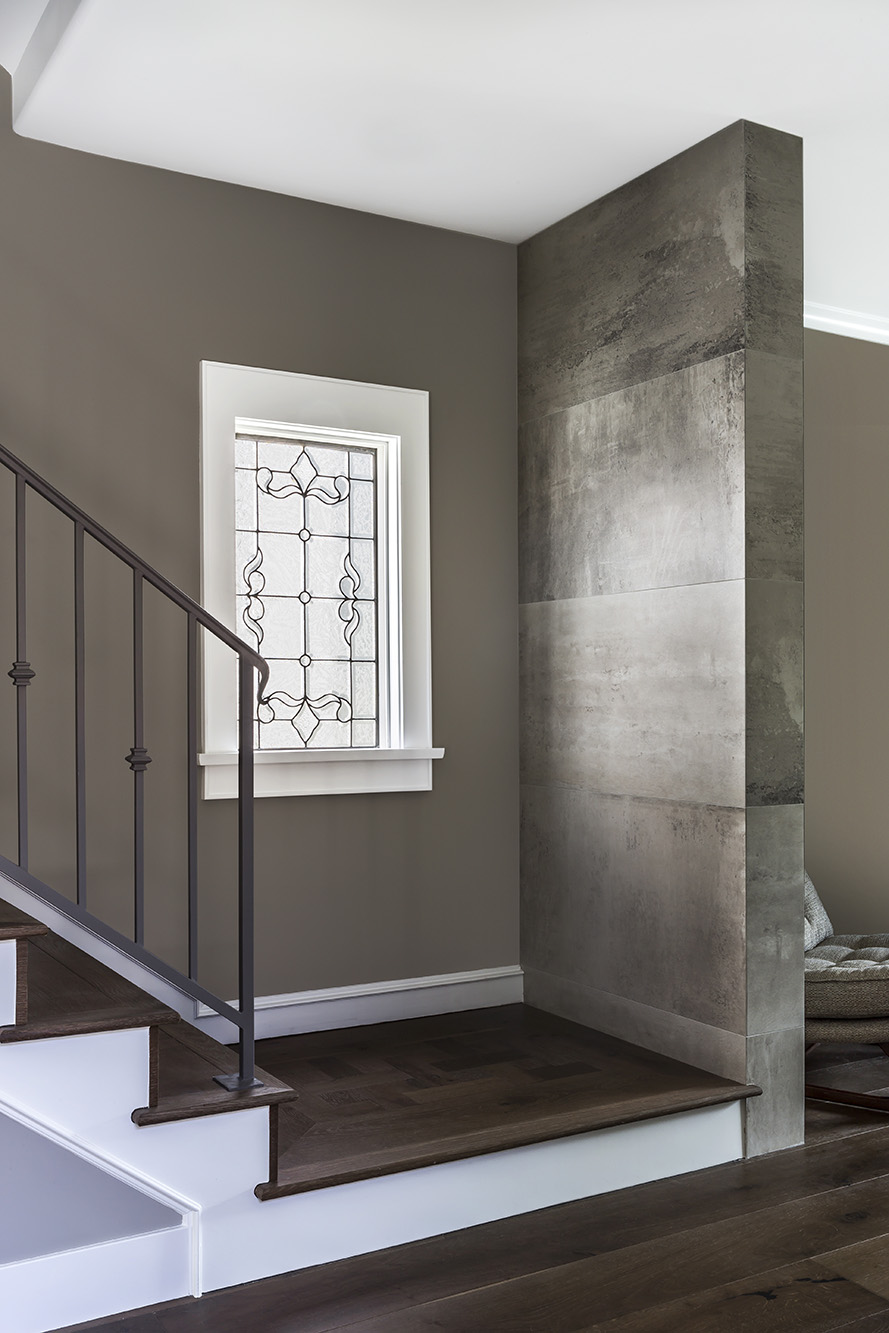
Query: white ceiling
x,y
489,116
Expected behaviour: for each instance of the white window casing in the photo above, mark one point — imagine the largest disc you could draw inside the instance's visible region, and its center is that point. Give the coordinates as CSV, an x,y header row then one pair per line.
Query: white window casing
x,y
394,422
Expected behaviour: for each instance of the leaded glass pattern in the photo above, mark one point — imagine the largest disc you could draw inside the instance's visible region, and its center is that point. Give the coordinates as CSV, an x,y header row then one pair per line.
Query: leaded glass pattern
x,y
306,560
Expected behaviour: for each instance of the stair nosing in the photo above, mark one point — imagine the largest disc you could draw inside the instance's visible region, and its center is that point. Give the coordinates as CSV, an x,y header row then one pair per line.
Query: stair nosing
x,y
528,1135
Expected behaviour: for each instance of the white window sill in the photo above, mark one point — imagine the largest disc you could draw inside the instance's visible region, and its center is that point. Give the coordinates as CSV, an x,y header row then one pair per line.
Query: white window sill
x,y
321,772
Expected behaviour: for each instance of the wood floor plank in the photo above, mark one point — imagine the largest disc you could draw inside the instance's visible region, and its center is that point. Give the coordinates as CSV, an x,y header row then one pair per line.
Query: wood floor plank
x,y
393,1284
866,1263
826,1121
807,1297
669,1268
383,1284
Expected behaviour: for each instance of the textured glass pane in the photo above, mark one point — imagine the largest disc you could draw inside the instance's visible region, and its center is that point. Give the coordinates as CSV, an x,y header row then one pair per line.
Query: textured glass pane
x,y
286,514
331,736
279,455
245,556
329,678
361,463
364,640
246,627
307,589
328,519
327,566
363,557
245,453
325,635
282,564
279,736
328,460
364,689
245,500
362,509
286,678
282,626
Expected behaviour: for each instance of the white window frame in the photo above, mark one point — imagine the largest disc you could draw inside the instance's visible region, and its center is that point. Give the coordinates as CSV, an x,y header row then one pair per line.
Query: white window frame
x,y
396,422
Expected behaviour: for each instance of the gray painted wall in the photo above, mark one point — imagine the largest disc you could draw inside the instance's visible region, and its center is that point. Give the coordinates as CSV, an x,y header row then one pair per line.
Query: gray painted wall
x,y
115,281
847,629
54,1200
660,344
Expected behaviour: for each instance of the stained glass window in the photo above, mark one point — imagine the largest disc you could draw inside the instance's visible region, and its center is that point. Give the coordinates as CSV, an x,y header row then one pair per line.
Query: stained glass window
x,y
306,562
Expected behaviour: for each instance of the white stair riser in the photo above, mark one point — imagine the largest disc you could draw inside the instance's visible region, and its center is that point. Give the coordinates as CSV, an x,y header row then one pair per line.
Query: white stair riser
x,y
60,1289
7,982
246,1239
89,1085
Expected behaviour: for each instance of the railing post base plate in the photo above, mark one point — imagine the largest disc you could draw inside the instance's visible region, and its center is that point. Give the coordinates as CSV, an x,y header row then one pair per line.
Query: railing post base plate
x,y
234,1082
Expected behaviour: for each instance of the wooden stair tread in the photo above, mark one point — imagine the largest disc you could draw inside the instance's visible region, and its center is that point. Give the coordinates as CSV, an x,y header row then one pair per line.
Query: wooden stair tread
x,y
431,1091
17,925
71,993
297,1178
188,1061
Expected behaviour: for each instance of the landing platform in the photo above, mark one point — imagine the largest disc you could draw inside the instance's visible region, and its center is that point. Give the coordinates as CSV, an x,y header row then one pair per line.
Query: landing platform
x,y
397,1096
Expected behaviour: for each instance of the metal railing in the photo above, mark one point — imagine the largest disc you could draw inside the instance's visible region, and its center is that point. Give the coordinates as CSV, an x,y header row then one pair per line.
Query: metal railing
x,y
22,675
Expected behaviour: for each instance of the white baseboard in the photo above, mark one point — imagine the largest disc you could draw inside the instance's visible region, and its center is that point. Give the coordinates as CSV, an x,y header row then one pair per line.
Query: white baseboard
x,y
375,1002
56,1290
850,323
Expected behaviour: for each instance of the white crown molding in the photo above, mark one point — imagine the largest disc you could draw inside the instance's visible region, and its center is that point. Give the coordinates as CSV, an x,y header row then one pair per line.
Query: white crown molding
x,y
849,323
375,1002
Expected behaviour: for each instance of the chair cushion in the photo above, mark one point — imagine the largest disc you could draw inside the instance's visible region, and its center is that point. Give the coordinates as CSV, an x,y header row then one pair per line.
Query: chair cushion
x,y
817,927
847,976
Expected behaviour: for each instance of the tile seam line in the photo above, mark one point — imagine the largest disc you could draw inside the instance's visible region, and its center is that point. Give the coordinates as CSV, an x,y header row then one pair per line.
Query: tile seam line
x,y
663,587
654,587
634,796
625,388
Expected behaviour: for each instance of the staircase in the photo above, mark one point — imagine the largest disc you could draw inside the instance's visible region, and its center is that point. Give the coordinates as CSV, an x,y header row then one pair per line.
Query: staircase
x,y
213,1172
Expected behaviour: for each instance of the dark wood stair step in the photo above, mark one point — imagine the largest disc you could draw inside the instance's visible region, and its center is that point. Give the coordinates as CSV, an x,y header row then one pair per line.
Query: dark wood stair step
x,y
70,993
17,925
188,1060
406,1095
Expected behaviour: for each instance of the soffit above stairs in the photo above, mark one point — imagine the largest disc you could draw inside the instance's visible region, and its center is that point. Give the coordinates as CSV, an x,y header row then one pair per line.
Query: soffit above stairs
x,y
494,119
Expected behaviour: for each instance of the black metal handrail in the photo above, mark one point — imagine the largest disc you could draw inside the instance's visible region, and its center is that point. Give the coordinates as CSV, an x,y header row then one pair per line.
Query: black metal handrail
x,y
22,674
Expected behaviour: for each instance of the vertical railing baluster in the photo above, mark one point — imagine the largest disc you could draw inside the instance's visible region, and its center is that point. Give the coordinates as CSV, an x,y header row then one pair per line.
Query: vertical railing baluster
x,y
138,760
21,674
245,1078
79,717
246,990
192,759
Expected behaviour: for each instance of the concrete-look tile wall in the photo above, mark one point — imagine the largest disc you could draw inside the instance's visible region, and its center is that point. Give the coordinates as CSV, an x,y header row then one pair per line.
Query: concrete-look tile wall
x,y
660,459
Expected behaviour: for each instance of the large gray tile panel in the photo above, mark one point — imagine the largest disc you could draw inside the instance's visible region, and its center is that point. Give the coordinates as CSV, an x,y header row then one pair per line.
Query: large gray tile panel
x,y
645,281
774,240
638,693
641,899
774,467
698,1044
775,984
775,771
775,1061
642,488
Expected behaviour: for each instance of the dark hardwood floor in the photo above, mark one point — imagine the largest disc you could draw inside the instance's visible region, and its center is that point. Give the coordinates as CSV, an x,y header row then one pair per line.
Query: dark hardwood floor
x,y
795,1241
372,1100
